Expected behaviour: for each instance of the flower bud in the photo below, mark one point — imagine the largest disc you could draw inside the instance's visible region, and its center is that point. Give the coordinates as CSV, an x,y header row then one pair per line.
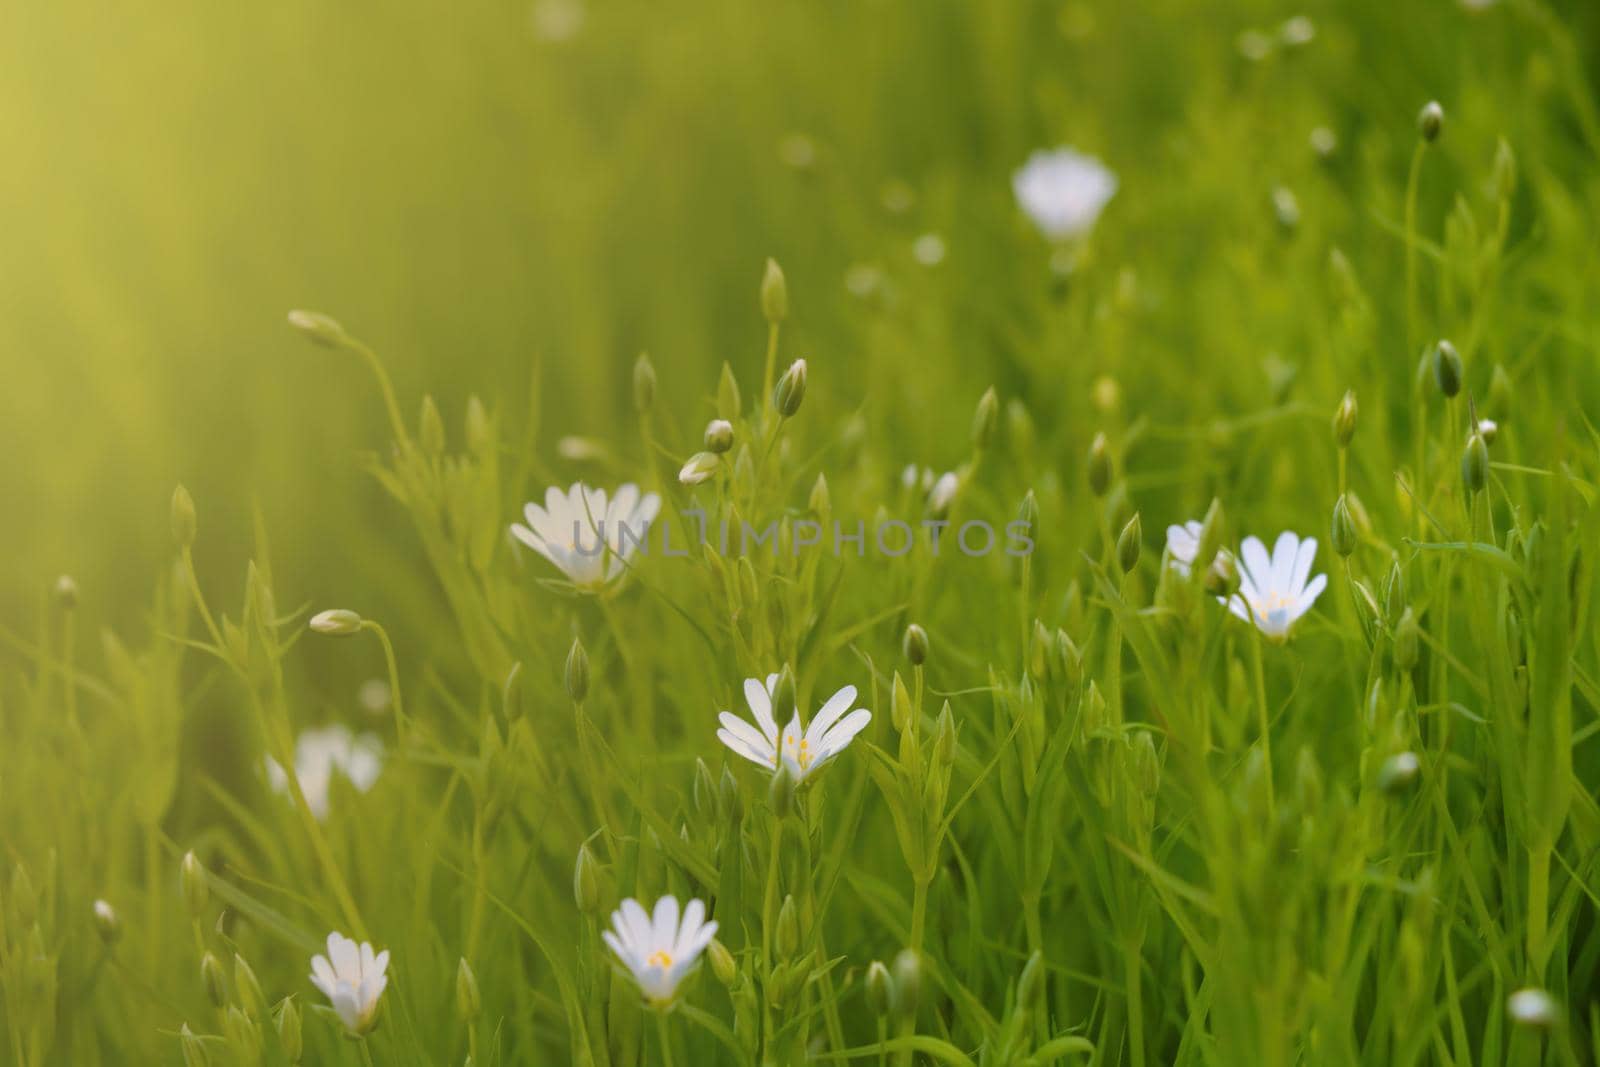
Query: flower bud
x,y
907,983
468,1002
1430,121
287,1020
1488,429
915,645
1497,404
1533,1008
183,518
1399,772
700,468
242,1034
480,438
788,935
644,383
723,964
781,793
719,436
66,592
790,390
1222,577
985,420
943,494
211,978
248,988
1096,717
880,989
1099,465
194,1050
1503,178
783,695
944,738
728,399
1146,764
193,885
1406,641
1129,543
1342,531
1394,593
106,922
586,882
577,672
1344,419
1447,368
319,328
336,622
774,294
729,797
1475,464
430,428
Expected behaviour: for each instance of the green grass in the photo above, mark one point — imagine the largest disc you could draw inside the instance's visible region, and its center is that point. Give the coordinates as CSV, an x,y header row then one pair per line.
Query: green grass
x,y
1104,822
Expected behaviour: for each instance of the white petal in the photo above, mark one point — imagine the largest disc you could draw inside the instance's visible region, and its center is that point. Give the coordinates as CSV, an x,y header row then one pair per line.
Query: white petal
x,y
694,917
756,695
1313,590
1283,554
742,747
835,740
1303,560
649,507
628,959
344,956
664,930
836,706
1257,567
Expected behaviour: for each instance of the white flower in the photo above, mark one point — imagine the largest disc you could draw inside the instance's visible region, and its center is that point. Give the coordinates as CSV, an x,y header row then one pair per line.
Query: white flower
x,y
1533,1007
659,951
943,494
803,751
318,754
1063,192
1273,590
587,535
352,979
1183,542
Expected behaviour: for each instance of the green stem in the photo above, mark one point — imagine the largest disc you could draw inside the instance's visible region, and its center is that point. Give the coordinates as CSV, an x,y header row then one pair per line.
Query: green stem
x,y
919,917
200,600
771,367
386,387
1133,965
666,1038
1266,722
769,923
1412,180
1538,909
366,1053
402,726
480,892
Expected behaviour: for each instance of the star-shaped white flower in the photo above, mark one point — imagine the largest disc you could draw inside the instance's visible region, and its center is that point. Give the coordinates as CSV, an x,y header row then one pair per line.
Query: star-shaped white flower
x,y
1063,192
803,750
352,978
1273,590
320,754
659,951
1183,542
586,534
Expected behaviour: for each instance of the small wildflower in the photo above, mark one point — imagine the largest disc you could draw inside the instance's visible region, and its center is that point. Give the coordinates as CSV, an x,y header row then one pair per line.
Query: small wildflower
x,y
1063,192
353,979
106,922
943,494
804,750
928,250
319,754
336,622
1533,1008
613,525
659,950
1274,590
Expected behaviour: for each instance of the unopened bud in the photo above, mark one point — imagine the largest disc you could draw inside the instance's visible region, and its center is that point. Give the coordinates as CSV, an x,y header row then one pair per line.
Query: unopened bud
x,y
915,645
319,328
1447,368
183,518
781,793
788,935
586,882
192,884
1475,464
1342,530
783,695
211,978
430,428
577,672
1533,1008
468,1001
644,383
790,390
730,797
700,468
1099,465
1222,577
1344,419
287,1020
1430,121
248,987
106,922
985,419
820,502
66,592
719,436
774,294
907,983
880,989
944,738
1129,543
723,964
1399,772
336,622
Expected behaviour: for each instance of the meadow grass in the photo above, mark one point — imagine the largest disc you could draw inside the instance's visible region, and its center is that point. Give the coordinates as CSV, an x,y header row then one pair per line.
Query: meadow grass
x,y
1096,816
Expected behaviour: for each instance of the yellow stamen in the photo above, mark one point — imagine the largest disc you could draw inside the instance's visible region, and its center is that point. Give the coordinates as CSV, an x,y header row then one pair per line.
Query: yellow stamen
x,y
659,959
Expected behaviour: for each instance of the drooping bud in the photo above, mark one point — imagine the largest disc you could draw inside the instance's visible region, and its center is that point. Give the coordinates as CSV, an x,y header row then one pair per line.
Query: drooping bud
x,y
1430,121
1447,368
700,467
1475,464
468,1001
644,383
985,420
1099,465
577,672
719,436
1342,530
774,294
1129,543
1344,419
192,884
790,390
183,518
915,645
319,328
106,922
336,622
586,882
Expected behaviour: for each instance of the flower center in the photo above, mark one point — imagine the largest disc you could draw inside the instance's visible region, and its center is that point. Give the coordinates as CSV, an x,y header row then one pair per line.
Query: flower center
x,y
1273,602
659,958
802,754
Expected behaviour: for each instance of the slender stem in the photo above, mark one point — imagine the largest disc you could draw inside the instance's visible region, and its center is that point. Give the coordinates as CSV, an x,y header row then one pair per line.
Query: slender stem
x,y
384,386
769,923
402,726
1538,909
366,1053
1133,963
199,598
480,892
772,363
1412,180
919,917
666,1038
1266,722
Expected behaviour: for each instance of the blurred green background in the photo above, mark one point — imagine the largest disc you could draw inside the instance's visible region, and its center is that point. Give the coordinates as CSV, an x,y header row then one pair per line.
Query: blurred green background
x,y
474,188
